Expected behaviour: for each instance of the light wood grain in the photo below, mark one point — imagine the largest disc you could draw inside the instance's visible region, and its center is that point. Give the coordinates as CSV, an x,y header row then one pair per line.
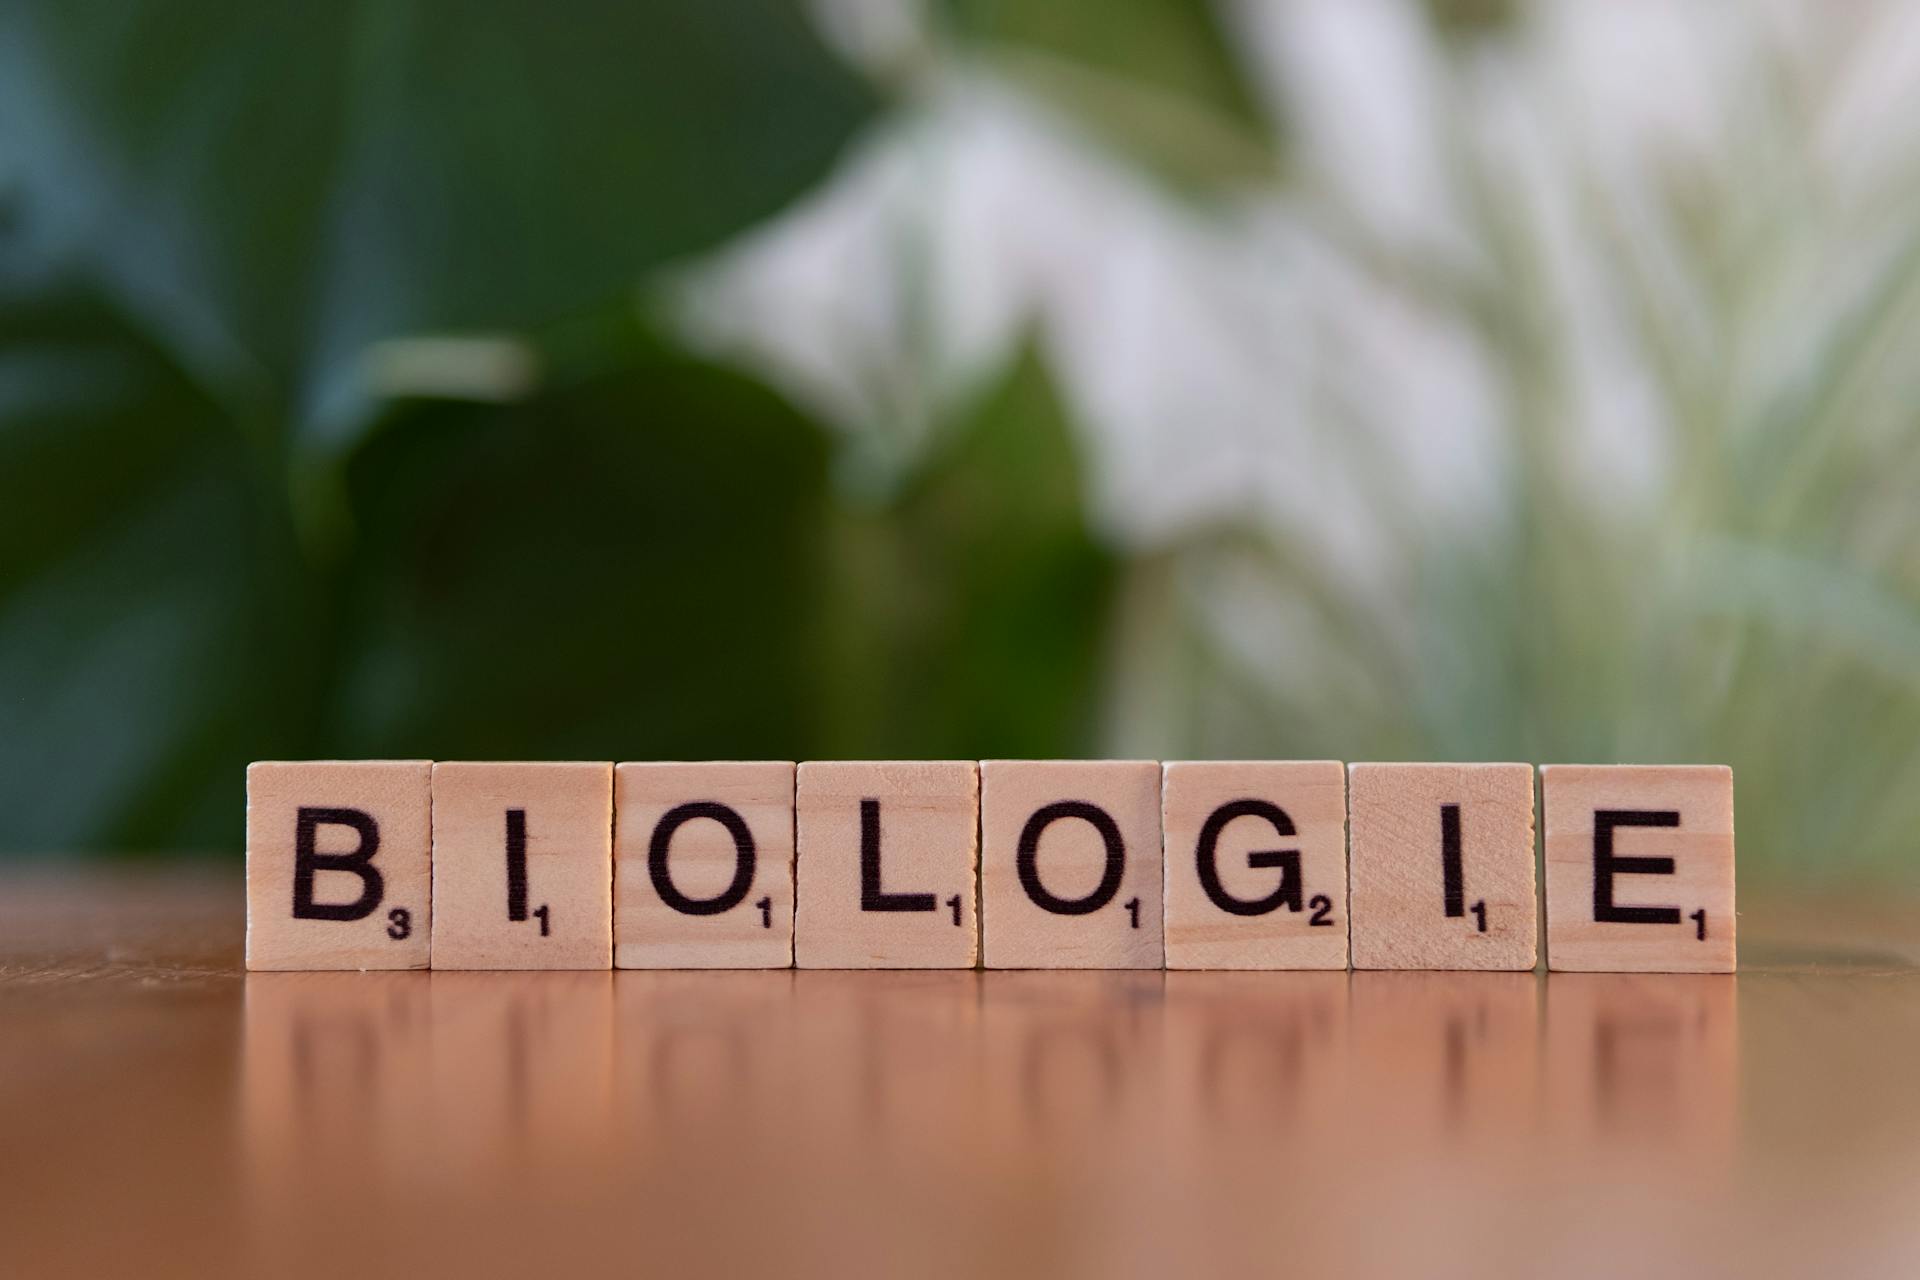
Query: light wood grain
x,y
687,814
1699,800
927,814
1304,929
1085,902
1401,910
566,823
391,929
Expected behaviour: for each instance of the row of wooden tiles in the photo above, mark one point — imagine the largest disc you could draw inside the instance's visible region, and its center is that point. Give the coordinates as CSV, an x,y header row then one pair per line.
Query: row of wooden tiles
x,y
1008,863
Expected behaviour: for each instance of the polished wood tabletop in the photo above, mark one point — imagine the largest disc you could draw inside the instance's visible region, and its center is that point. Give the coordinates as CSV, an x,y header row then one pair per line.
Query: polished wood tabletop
x,y
164,1113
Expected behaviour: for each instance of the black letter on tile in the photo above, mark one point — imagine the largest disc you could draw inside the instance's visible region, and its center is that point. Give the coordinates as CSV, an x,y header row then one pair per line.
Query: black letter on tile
x,y
871,897
1028,859
1450,876
1606,866
731,896
516,864
360,863
1287,893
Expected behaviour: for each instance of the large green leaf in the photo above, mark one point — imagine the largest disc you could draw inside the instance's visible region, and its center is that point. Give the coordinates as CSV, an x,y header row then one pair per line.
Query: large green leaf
x,y
650,565
272,187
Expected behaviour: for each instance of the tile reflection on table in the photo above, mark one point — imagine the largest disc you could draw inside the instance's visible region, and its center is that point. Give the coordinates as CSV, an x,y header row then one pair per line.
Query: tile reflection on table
x,y
522,1074
1075,1113
1443,1060
481,1067
1645,1061
1257,1056
335,1069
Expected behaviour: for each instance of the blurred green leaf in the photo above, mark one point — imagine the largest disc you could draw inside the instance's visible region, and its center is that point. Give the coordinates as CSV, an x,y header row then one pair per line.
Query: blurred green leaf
x,y
271,188
969,614
1156,77
1851,614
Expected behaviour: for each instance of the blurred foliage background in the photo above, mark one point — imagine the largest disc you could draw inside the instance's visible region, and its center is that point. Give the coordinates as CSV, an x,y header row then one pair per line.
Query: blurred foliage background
x,y
1385,380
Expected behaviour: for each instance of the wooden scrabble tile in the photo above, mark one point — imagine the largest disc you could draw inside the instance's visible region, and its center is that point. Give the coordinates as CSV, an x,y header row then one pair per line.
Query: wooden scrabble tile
x,y
1441,866
337,864
1256,874
522,865
887,864
703,865
1070,864
1639,868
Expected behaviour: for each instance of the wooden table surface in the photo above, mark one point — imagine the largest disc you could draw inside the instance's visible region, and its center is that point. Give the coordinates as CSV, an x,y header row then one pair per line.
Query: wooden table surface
x,y
163,1113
